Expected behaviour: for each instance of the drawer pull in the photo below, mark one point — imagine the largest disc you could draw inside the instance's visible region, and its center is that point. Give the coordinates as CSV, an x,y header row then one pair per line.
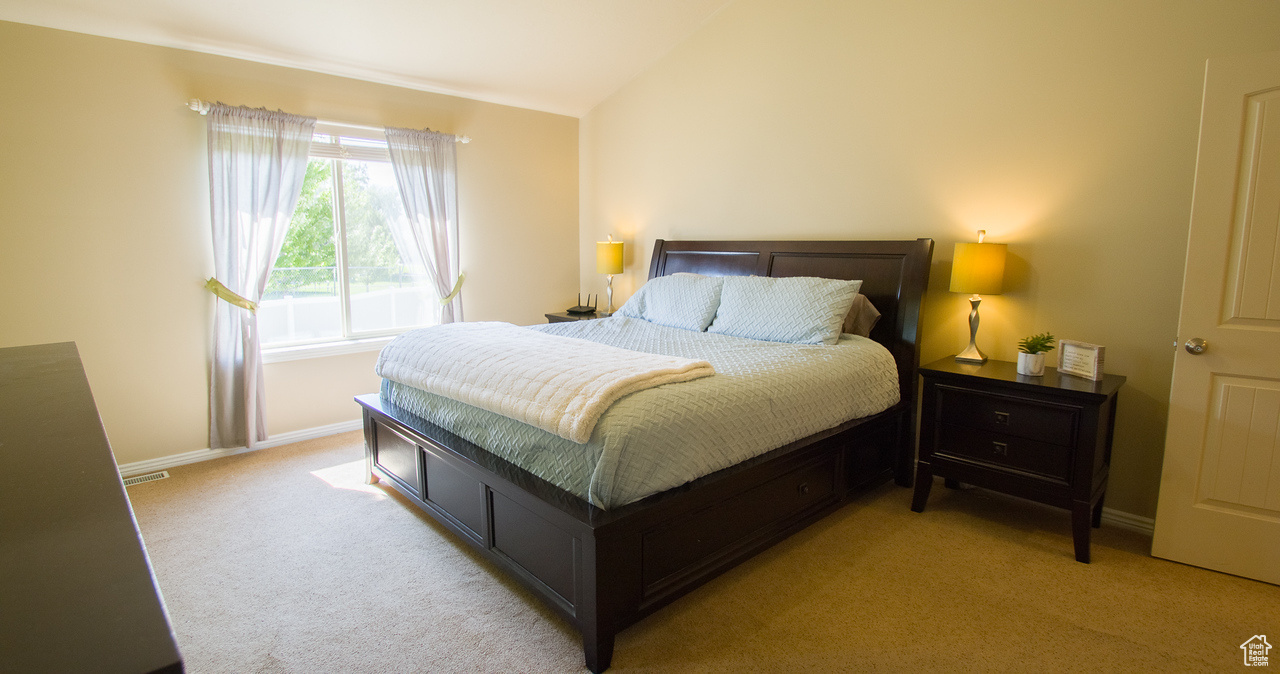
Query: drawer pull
x,y
1002,418
803,488
1000,448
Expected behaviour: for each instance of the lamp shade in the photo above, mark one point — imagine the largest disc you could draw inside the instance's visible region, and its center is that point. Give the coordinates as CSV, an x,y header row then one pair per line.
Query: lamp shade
x,y
608,257
978,268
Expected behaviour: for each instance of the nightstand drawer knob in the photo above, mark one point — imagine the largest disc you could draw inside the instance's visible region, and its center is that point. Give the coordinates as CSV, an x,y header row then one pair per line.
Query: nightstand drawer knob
x,y
803,488
1000,448
1002,418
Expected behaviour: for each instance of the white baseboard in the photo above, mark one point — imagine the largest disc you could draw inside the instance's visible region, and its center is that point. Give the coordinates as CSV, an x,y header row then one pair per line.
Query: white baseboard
x,y
165,462
1124,520
1116,518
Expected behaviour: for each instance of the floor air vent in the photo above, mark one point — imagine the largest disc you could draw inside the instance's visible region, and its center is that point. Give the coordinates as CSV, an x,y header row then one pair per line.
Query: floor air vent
x,y
149,477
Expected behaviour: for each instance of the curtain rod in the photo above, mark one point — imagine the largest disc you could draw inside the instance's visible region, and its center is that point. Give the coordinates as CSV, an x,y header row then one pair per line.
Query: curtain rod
x,y
202,107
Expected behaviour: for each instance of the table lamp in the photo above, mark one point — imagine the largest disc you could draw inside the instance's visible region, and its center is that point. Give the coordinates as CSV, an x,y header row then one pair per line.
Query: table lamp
x,y
609,261
978,269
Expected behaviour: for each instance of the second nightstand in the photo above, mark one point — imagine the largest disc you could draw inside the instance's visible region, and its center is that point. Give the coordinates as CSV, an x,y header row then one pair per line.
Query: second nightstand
x,y
1046,439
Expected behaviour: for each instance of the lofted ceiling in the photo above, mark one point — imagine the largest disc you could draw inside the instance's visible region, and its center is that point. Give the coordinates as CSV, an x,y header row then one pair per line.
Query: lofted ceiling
x,y
561,56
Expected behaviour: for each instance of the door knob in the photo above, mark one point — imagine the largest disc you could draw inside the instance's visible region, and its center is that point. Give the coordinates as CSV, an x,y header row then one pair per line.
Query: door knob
x,y
1196,346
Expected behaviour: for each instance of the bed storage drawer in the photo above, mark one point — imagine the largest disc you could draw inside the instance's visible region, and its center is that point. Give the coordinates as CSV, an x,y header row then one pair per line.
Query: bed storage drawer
x,y
459,495
677,549
543,550
397,456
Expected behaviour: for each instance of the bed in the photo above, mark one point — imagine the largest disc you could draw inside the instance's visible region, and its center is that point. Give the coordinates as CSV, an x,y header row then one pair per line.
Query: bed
x,y
604,569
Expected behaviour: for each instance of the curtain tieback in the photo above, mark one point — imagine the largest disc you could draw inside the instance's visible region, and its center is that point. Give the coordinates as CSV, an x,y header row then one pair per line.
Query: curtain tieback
x,y
215,286
457,288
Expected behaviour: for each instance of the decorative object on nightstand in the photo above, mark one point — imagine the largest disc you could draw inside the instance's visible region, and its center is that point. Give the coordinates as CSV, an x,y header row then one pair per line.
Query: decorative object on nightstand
x,y
1046,439
1080,359
978,269
609,261
1031,352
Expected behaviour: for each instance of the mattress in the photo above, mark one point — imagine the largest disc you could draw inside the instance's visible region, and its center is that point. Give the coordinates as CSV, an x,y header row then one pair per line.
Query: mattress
x,y
763,395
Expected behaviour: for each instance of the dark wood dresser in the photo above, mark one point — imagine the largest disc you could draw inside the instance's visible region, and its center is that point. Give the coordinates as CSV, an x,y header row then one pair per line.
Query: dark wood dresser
x,y
1046,438
76,589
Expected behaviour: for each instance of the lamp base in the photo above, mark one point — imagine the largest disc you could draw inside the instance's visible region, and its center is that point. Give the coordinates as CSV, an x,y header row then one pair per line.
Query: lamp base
x,y
972,354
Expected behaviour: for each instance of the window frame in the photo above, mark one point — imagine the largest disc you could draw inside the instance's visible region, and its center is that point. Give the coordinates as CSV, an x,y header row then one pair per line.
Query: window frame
x,y
334,150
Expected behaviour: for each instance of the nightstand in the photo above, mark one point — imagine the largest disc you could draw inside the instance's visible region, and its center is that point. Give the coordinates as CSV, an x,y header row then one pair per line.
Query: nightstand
x,y
566,317
1046,439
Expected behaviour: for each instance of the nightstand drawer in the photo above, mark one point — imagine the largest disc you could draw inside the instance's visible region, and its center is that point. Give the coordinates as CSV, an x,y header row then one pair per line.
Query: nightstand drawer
x,y
1004,450
1044,422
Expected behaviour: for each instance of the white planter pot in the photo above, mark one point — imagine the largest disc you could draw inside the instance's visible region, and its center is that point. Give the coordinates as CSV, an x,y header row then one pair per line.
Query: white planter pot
x,y
1031,364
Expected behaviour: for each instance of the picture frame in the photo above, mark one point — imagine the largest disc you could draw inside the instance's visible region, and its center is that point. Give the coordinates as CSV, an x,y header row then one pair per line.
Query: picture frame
x,y
1080,359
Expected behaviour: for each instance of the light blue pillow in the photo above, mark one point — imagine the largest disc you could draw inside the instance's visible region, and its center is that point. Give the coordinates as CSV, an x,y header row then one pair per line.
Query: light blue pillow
x,y
797,309
686,301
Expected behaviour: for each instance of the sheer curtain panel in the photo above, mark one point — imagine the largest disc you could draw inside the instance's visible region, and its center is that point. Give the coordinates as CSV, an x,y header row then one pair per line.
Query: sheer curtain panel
x,y
426,168
257,160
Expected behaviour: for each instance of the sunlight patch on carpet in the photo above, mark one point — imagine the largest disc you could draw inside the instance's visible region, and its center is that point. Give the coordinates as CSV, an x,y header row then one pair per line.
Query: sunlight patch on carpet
x,y
348,476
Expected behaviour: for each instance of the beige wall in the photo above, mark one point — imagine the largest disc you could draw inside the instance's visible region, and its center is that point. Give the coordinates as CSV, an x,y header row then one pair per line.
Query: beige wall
x,y
104,224
1065,129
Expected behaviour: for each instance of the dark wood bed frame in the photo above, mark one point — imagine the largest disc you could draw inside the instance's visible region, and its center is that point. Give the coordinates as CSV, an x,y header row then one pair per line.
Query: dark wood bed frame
x,y
606,569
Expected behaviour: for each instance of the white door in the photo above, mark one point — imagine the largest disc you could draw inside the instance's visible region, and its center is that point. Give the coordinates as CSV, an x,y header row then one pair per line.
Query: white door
x,y
1220,489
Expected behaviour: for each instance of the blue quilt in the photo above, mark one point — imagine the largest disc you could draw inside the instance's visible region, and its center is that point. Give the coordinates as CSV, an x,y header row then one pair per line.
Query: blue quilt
x,y
763,395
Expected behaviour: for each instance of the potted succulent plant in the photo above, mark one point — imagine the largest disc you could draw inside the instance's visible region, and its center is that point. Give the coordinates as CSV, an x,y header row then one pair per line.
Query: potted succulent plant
x,y
1031,352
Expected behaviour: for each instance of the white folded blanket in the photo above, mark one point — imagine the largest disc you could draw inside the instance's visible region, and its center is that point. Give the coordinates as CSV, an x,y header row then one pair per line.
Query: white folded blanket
x,y
559,384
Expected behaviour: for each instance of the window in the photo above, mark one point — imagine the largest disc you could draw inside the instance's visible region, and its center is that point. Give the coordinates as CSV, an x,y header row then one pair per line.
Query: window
x,y
340,274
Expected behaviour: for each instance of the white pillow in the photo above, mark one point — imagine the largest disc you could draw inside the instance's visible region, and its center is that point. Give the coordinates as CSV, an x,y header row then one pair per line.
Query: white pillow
x,y
797,309
686,301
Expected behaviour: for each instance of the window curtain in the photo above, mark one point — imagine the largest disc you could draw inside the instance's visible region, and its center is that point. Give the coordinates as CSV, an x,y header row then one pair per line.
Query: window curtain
x,y
257,161
426,168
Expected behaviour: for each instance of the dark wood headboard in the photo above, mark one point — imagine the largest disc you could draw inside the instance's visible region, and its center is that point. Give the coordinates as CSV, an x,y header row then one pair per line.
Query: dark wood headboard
x,y
894,277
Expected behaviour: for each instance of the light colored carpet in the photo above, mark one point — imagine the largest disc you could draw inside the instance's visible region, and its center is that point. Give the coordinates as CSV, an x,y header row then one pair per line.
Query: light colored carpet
x,y
282,560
